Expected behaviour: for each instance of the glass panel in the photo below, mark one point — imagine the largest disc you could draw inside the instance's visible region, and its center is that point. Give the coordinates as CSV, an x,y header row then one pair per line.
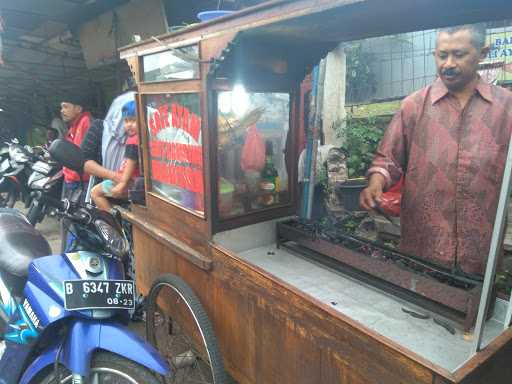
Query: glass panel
x,y
175,148
178,64
251,163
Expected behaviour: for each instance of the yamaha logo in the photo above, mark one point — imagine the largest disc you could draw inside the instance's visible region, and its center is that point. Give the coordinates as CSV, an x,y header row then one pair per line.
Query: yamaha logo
x,y
31,314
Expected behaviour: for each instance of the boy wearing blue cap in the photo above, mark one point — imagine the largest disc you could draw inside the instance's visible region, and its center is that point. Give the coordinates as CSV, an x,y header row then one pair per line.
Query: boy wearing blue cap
x,y
129,168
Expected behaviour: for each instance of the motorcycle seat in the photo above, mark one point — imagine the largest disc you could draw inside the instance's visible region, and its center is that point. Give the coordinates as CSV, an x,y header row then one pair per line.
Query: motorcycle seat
x,y
20,243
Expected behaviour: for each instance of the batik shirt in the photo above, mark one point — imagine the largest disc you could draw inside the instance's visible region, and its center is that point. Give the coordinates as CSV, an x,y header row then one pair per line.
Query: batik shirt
x,y
453,160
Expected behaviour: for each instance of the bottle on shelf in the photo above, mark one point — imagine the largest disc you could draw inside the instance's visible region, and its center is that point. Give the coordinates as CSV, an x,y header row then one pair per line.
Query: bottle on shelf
x,y
270,182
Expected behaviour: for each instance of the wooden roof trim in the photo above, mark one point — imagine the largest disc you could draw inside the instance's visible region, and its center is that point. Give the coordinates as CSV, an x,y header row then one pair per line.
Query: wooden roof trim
x,y
249,18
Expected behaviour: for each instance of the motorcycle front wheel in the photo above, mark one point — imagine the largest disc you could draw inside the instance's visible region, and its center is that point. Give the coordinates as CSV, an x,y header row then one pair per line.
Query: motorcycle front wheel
x,y
106,368
8,196
35,212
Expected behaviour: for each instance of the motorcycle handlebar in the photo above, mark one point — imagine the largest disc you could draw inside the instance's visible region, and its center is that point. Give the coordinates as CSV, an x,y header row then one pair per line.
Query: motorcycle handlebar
x,y
66,208
61,205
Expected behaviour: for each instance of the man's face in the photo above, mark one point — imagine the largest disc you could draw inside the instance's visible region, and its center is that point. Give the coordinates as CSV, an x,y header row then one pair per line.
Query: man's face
x,y
457,59
130,126
69,112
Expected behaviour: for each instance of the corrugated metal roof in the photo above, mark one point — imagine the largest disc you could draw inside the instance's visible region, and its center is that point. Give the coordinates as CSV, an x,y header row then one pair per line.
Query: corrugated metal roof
x,y
41,57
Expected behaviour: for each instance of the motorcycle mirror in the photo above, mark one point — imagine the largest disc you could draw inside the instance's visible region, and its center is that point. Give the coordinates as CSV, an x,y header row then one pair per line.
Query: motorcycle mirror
x,y
67,154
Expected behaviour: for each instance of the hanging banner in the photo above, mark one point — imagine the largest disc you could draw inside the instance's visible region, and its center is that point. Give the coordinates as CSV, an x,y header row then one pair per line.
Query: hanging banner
x,y
497,68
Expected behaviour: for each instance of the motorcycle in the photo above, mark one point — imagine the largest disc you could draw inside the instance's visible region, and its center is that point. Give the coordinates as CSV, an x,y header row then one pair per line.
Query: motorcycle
x,y
64,316
46,178
6,198
15,170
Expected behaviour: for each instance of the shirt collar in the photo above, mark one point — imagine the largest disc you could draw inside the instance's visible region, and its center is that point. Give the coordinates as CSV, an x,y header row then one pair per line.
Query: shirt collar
x,y
439,90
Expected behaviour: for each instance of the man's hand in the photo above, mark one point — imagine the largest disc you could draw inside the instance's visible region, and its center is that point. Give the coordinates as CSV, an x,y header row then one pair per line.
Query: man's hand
x,y
370,196
93,168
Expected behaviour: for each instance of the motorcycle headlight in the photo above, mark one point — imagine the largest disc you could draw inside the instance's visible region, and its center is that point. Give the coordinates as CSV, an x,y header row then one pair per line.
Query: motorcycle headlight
x,y
116,243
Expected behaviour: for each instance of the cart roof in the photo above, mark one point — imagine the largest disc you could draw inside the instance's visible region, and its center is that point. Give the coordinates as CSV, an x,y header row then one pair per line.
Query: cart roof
x,y
325,23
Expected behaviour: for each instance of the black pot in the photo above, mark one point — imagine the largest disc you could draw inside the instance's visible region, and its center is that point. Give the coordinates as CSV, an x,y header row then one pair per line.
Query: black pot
x,y
349,192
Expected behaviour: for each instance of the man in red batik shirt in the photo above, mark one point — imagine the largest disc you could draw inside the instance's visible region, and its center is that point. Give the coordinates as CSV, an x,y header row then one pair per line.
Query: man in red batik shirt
x,y
450,142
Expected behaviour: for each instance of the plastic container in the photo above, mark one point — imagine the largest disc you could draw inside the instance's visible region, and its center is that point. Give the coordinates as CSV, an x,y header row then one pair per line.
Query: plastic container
x,y
350,191
210,15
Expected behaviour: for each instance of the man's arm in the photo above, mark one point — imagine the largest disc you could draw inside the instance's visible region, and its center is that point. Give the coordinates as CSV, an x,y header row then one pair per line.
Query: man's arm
x,y
93,168
91,149
389,163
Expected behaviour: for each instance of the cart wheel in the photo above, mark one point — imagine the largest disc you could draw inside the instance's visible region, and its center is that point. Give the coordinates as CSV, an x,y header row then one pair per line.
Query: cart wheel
x,y
178,326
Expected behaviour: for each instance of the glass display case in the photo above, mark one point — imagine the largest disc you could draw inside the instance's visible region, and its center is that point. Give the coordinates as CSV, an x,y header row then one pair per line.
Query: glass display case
x,y
252,132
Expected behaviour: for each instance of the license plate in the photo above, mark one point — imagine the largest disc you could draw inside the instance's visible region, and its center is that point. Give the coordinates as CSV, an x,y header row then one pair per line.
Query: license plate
x,y
98,294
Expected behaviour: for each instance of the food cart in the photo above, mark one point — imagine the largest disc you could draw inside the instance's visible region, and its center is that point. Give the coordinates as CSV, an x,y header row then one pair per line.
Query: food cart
x,y
287,314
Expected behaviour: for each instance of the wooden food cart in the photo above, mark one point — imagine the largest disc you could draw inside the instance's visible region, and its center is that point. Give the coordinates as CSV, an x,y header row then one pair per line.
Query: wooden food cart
x,y
280,317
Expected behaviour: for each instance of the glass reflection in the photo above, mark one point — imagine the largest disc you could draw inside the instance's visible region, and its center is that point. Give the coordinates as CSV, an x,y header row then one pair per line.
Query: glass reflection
x,y
252,130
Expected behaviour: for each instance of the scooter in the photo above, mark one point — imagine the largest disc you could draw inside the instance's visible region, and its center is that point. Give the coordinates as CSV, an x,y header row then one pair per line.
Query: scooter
x,y
47,178
7,190
15,170
64,316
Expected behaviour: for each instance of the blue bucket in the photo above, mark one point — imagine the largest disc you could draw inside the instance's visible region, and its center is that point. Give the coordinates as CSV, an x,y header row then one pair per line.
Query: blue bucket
x,y
210,15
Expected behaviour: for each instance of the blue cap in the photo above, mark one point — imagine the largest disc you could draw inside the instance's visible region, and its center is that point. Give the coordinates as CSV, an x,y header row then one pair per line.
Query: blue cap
x,y
128,109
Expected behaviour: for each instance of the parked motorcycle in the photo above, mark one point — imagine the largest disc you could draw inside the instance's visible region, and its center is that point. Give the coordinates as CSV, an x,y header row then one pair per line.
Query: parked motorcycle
x,y
64,316
15,170
6,197
46,178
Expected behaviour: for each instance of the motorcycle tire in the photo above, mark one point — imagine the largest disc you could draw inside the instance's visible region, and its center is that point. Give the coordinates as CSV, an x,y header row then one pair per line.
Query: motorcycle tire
x,y
8,198
106,367
208,365
35,213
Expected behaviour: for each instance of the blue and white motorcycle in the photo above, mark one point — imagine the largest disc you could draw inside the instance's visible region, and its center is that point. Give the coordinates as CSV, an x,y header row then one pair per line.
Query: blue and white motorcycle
x,y
63,317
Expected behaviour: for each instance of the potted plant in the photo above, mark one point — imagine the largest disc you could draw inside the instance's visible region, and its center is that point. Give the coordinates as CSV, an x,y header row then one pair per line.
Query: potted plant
x,y
361,136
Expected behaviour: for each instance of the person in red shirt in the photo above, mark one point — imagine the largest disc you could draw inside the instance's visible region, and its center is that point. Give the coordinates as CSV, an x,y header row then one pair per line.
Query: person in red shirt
x,y
78,120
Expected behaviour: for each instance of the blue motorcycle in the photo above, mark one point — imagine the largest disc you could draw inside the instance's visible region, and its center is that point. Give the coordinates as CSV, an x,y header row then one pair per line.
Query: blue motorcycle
x,y
63,318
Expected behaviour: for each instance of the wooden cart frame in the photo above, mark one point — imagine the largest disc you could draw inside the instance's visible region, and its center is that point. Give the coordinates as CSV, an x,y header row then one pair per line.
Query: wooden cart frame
x,y
269,330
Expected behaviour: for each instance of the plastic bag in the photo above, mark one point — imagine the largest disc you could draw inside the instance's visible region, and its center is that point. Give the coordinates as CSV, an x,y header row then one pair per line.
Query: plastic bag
x,y
253,151
391,199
